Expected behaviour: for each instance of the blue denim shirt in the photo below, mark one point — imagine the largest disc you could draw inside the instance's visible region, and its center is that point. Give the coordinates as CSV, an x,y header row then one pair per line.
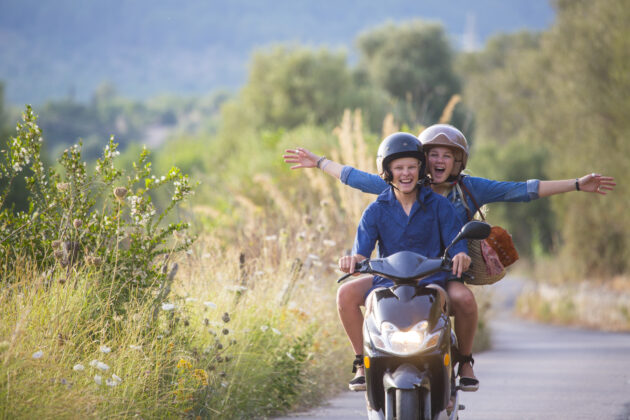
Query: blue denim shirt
x,y
430,226
484,190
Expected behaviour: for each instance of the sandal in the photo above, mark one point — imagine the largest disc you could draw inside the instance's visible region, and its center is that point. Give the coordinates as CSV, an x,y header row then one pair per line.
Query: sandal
x,y
466,383
358,382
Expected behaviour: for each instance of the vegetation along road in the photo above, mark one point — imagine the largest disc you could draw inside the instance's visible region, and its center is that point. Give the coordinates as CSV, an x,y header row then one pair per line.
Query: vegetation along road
x,y
534,371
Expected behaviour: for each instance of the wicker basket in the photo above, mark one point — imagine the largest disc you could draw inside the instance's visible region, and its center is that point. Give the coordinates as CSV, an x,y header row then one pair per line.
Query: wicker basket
x,y
479,269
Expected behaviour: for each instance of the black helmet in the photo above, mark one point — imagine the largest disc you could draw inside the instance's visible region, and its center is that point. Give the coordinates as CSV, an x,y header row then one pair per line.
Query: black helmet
x,y
396,146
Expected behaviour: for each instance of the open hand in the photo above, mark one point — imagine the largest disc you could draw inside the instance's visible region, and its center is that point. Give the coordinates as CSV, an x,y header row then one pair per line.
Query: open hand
x,y
597,183
301,156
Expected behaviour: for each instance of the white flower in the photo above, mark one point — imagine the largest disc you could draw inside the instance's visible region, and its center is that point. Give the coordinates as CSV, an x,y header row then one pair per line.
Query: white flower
x,y
98,379
276,331
329,242
38,354
99,365
116,380
224,385
168,306
105,349
271,238
290,356
210,305
134,347
264,328
78,367
191,299
313,257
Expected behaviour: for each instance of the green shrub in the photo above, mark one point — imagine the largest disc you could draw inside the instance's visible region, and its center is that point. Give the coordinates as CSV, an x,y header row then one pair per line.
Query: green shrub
x,y
105,220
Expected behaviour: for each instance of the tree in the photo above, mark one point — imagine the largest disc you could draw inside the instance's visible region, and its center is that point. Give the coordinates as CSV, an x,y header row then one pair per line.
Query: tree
x,y
413,62
292,86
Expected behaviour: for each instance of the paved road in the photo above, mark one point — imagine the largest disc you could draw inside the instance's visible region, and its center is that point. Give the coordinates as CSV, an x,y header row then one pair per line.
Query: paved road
x,y
533,372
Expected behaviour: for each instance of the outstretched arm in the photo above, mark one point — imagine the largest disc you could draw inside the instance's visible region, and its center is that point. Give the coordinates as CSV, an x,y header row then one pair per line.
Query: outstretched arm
x,y
355,178
595,183
306,159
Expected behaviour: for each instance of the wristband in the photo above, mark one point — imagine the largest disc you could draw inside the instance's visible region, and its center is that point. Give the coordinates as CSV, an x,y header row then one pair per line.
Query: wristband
x,y
577,185
320,160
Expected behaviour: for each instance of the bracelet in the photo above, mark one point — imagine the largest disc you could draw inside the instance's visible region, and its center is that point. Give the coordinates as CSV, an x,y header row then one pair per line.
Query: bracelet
x,y
320,160
577,185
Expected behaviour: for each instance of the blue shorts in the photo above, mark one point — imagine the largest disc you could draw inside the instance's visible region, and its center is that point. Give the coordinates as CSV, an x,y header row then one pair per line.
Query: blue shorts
x,y
378,281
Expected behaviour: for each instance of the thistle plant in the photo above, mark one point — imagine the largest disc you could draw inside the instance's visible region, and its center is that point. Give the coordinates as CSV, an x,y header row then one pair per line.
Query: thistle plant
x,y
105,220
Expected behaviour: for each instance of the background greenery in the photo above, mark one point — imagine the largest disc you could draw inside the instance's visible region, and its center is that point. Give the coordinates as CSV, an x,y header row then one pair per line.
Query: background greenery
x,y
549,105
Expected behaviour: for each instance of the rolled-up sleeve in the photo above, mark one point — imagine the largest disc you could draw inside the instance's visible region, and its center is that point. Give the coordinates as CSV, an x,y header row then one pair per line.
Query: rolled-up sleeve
x,y
363,181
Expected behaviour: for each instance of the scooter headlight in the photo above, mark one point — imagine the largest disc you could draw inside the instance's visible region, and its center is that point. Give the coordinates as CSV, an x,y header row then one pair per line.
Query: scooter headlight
x,y
411,341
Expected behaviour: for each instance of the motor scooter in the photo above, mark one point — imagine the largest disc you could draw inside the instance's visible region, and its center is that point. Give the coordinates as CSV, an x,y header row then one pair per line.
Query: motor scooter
x,y
408,343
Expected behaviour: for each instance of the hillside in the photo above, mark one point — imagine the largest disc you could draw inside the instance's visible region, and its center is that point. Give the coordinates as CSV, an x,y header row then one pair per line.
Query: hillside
x,y
67,48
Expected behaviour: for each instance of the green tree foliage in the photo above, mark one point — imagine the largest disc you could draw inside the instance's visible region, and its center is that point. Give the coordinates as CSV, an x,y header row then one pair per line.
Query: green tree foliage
x,y
290,86
564,93
413,62
587,126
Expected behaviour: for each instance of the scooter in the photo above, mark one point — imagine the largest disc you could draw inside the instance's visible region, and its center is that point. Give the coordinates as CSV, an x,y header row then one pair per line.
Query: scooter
x,y
408,342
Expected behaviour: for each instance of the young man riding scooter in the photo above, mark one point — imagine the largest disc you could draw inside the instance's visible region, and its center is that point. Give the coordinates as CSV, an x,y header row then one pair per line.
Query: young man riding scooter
x,y
405,217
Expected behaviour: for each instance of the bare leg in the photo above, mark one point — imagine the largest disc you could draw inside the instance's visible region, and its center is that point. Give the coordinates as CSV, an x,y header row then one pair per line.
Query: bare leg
x,y
350,297
464,309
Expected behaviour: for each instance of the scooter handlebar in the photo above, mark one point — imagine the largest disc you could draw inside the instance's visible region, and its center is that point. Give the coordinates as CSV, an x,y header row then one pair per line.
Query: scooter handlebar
x,y
359,267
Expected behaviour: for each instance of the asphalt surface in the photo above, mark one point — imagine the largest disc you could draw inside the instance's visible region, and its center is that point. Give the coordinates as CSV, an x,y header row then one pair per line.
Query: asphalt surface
x,y
533,371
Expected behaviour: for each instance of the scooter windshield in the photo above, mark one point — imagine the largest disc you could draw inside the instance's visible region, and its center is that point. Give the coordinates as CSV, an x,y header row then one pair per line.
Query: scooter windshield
x,y
405,266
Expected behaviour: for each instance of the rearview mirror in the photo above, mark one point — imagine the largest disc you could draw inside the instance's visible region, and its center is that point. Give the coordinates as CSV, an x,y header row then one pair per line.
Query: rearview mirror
x,y
471,230
474,230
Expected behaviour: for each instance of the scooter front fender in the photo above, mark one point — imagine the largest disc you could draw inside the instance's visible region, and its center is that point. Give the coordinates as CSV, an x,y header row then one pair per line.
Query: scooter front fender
x,y
406,376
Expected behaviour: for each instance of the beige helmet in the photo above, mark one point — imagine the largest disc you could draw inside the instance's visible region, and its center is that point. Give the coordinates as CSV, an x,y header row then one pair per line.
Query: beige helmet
x,y
448,136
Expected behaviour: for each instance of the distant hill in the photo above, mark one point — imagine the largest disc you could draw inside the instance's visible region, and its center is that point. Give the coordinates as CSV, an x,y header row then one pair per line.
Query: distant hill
x,y
66,48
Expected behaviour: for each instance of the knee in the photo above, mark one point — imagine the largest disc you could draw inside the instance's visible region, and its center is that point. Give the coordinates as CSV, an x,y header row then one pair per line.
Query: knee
x,y
463,300
346,297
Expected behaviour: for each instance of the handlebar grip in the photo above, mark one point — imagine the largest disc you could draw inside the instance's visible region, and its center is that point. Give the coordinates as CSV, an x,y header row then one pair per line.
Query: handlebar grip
x,y
357,268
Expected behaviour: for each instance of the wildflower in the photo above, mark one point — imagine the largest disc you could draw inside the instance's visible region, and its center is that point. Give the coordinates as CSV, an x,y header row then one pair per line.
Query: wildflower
x,y
105,349
168,306
313,257
38,354
276,331
290,356
264,328
259,273
210,305
77,223
301,236
202,376
226,317
114,381
271,238
63,186
78,367
134,347
329,242
99,365
225,331
184,364
98,379
120,193
191,299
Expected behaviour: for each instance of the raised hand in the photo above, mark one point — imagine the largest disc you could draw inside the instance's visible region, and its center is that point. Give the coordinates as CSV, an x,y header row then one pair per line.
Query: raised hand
x,y
303,157
597,183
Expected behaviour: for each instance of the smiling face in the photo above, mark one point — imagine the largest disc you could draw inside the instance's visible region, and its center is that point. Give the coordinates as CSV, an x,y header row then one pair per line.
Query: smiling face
x,y
405,174
440,163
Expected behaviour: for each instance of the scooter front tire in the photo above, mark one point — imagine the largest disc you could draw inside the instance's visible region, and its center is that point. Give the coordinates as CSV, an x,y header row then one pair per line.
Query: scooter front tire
x,y
407,404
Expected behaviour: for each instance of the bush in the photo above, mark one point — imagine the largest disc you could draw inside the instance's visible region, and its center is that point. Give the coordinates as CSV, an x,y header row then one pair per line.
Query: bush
x,y
104,220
